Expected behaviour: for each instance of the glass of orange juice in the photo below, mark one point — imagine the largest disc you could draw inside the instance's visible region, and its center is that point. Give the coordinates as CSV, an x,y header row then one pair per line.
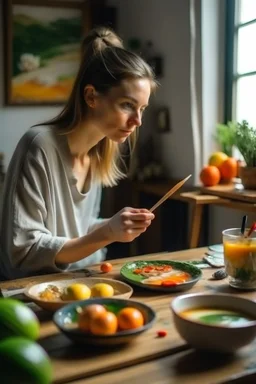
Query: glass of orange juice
x,y
240,258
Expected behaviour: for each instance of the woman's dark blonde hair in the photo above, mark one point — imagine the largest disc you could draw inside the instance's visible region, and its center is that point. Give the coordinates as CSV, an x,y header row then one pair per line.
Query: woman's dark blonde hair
x,y
104,64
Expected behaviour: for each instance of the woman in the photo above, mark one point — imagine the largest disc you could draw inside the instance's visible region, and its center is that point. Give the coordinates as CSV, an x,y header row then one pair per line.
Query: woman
x,y
53,185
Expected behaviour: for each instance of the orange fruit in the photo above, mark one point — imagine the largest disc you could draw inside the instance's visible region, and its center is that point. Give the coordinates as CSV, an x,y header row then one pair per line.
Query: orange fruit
x,y
88,314
217,159
106,267
104,324
228,169
210,175
130,318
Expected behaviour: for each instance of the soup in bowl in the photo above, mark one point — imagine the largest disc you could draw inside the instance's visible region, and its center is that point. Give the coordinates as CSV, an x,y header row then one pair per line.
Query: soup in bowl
x,y
216,322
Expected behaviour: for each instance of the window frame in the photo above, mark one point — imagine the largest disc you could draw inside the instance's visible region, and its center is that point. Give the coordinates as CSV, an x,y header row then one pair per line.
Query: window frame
x,y
231,76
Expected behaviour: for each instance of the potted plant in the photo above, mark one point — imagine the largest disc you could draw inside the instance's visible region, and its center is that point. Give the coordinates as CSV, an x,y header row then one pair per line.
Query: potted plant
x,y
225,137
245,141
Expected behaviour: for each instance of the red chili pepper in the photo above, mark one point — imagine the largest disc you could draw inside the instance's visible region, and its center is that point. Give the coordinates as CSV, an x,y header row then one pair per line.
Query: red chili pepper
x,y
161,333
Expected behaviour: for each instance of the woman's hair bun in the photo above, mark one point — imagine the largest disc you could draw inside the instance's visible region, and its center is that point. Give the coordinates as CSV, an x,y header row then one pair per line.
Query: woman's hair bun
x,y
100,38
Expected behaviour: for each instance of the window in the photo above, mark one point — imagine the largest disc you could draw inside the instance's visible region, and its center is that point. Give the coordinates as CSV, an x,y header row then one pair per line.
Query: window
x,y
241,61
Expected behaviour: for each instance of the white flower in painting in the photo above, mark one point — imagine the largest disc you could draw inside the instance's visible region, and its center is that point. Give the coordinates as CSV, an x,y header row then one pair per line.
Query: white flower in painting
x,y
46,79
29,62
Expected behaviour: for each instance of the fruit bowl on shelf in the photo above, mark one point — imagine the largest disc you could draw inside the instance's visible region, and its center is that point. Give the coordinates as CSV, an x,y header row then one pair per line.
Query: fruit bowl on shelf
x,y
107,331
53,295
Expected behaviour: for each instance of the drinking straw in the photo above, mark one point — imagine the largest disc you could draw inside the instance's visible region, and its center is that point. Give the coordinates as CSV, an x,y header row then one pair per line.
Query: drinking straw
x,y
253,227
243,224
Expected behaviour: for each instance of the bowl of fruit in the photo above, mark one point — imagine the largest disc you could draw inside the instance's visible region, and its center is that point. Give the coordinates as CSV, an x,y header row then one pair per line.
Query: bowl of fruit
x,y
104,321
53,295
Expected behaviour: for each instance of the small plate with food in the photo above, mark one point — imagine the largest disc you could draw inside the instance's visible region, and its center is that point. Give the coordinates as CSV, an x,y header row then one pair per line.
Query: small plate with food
x,y
161,275
53,295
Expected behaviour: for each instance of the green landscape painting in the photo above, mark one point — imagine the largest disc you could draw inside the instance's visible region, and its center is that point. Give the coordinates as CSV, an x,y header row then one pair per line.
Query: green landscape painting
x,y
46,44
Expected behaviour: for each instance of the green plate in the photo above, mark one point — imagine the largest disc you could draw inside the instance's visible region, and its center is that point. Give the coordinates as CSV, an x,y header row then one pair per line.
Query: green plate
x,y
134,279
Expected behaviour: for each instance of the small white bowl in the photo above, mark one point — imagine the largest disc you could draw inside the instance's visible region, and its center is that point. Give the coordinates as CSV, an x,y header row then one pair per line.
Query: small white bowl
x,y
214,337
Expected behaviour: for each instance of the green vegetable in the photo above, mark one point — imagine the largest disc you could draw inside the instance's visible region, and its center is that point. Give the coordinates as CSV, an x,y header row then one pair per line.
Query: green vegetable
x,y
16,319
23,361
115,308
245,140
243,274
225,319
225,137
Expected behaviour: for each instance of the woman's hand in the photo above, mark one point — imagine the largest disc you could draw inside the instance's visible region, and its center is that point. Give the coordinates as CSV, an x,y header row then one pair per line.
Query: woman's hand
x,y
128,224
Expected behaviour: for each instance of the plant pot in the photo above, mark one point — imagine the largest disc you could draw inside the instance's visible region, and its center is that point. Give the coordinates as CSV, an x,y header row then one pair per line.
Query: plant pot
x,y
248,177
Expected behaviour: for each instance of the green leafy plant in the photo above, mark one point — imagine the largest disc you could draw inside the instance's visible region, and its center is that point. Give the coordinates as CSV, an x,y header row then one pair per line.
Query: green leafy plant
x,y
225,137
245,141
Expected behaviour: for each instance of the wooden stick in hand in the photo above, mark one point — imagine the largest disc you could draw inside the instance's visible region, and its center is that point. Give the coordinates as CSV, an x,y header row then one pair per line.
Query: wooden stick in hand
x,y
169,193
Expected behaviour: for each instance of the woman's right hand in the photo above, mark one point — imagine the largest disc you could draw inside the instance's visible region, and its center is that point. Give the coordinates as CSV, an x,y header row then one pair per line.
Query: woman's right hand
x,y
128,224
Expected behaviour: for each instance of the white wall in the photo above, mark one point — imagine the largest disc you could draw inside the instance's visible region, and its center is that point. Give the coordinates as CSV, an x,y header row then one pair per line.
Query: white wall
x,y
166,23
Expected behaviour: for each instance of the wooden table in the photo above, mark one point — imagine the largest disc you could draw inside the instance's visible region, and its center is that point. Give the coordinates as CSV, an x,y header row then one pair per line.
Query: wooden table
x,y
225,195
148,358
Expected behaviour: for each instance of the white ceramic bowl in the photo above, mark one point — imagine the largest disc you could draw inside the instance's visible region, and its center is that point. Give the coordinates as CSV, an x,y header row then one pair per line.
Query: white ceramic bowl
x,y
214,337
121,290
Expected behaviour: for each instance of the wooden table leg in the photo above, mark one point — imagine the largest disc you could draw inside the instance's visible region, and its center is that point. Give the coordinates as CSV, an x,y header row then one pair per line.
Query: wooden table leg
x,y
195,227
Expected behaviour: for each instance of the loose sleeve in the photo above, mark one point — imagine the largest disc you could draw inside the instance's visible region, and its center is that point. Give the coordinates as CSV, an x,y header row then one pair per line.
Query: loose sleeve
x,y
34,247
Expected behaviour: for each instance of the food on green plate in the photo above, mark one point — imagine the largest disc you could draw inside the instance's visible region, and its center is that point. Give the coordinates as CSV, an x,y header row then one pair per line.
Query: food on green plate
x,y
164,275
219,317
24,361
152,270
16,319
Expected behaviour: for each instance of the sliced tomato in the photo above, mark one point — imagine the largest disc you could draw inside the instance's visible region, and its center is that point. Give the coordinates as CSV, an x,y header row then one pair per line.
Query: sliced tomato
x,y
137,271
169,283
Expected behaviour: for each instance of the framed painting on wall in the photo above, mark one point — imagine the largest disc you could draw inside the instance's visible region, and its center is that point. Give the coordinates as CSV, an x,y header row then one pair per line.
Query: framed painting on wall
x,y
43,49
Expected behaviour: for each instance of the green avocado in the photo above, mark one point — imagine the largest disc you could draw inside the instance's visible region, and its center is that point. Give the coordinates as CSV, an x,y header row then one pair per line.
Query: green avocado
x,y
23,361
16,319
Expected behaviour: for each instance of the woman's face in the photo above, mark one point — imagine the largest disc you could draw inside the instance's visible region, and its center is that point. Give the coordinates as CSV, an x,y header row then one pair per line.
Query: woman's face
x,y
117,114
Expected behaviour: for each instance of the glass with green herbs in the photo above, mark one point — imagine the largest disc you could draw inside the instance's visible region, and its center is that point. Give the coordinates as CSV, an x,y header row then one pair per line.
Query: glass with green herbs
x,y
240,258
